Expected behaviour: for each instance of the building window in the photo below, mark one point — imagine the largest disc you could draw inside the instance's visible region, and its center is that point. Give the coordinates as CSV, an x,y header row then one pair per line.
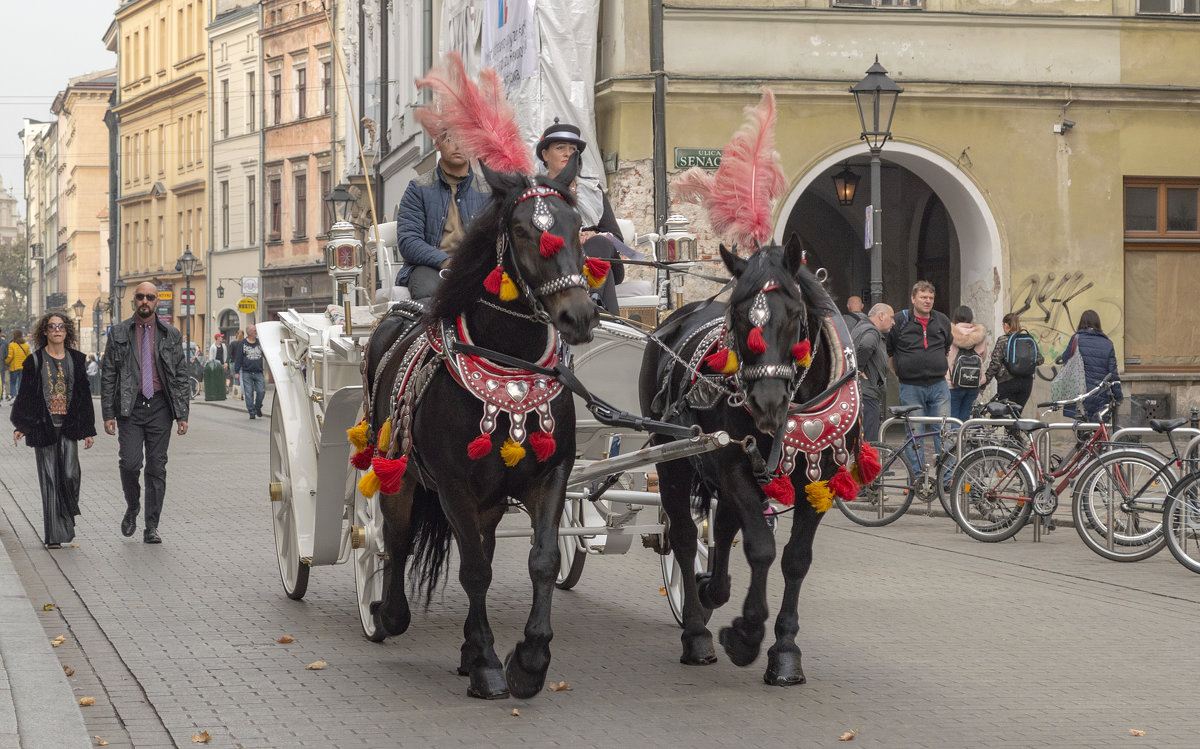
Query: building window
x,y
225,214
179,223
251,211
162,148
189,139
326,209
1169,7
276,210
277,97
146,155
301,205
1162,261
225,108
162,241
326,86
201,144
251,115
301,93
179,143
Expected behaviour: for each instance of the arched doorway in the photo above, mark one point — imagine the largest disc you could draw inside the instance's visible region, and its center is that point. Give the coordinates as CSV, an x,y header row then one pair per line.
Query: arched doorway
x,y
937,226
228,324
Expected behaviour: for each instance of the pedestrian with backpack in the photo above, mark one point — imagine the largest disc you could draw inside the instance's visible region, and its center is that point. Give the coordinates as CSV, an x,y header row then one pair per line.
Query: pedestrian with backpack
x,y
1014,361
964,362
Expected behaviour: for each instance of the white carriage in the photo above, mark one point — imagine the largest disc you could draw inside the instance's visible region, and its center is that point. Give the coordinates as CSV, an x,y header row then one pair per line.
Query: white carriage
x,y
321,518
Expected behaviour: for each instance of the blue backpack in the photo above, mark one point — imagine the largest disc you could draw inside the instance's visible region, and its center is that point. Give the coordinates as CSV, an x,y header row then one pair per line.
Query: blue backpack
x,y
1021,355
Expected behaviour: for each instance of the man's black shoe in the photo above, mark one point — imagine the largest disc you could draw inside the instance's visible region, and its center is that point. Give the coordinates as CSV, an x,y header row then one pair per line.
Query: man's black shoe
x,y
251,417
151,536
259,412
129,522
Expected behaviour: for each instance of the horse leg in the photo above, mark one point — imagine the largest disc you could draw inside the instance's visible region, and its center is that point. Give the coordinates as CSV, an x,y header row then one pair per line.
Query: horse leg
x,y
526,665
675,488
783,659
715,585
743,638
392,615
478,659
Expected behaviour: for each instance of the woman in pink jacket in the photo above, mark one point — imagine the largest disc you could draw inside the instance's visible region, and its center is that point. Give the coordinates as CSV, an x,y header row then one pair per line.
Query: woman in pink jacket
x,y
965,362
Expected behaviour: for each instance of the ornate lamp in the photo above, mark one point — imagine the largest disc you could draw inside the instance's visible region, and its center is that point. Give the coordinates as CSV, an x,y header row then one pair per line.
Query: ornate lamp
x,y
845,183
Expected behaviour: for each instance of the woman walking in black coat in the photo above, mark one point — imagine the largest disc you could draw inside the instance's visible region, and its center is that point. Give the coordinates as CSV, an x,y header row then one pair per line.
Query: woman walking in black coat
x,y
52,412
1099,359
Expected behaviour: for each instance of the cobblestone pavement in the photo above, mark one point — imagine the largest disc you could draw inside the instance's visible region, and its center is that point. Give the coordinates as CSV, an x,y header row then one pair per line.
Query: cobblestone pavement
x,y
914,635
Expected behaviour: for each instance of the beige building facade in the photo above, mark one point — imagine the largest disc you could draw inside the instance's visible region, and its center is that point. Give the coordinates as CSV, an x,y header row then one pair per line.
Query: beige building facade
x,y
1042,158
163,129
39,141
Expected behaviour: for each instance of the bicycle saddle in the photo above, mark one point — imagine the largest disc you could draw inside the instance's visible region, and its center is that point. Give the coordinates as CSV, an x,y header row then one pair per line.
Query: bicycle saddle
x,y
1030,425
902,410
1162,426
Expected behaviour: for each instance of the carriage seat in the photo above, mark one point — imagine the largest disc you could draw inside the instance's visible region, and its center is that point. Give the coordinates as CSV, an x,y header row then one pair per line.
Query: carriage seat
x,y
387,263
1162,426
902,410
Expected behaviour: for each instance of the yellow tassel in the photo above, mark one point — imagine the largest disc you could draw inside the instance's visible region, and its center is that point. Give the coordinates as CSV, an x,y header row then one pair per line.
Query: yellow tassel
x,y
508,289
368,484
593,281
819,495
731,364
512,452
357,435
385,437
854,474
806,361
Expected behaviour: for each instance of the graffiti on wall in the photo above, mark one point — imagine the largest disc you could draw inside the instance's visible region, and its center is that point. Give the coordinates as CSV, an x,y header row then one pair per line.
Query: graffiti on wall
x,y
1050,304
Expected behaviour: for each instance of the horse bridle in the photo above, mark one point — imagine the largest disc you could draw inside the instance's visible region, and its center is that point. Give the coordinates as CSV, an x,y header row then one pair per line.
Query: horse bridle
x,y
760,315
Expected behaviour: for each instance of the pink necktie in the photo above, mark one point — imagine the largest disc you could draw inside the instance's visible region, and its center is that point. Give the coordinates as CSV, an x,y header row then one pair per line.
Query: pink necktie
x,y
147,365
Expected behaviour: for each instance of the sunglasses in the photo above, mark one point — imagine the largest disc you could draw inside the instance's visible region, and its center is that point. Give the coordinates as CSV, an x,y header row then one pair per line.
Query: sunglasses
x,y
150,297
56,326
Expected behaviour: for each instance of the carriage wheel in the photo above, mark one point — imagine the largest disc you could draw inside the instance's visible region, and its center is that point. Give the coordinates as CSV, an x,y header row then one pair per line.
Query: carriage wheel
x,y
293,572
366,539
572,553
673,574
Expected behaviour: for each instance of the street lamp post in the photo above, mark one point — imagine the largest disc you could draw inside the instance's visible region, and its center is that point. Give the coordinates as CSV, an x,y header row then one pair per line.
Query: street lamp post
x,y
876,95
118,295
186,264
97,310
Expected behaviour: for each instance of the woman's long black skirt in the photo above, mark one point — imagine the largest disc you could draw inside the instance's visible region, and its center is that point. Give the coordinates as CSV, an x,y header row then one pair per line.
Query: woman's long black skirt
x,y
59,476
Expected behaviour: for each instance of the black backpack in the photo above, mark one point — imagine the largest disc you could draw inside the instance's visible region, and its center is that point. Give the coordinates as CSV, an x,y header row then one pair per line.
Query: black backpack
x,y
967,369
1021,354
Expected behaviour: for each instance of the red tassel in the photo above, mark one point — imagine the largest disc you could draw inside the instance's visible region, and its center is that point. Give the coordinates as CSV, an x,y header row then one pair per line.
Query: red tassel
x,y
596,267
843,484
755,341
781,490
717,361
362,459
389,471
550,244
868,463
801,350
492,282
543,445
480,446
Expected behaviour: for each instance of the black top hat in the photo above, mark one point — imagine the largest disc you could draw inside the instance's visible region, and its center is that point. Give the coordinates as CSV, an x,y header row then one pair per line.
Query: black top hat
x,y
559,132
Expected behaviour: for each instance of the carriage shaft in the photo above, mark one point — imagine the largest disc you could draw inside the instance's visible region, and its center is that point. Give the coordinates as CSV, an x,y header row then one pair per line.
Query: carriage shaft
x,y
648,456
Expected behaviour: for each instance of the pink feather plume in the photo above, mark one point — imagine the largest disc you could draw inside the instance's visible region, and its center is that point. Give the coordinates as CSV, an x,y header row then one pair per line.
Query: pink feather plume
x,y
738,197
478,116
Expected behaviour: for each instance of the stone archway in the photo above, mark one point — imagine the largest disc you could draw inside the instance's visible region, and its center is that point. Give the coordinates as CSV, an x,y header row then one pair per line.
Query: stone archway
x,y
980,259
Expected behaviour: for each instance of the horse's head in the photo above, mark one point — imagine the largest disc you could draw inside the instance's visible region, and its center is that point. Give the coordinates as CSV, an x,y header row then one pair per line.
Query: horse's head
x,y
545,258
768,328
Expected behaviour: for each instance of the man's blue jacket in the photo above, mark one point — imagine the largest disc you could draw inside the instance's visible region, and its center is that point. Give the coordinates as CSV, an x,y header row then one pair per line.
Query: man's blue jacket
x,y
421,217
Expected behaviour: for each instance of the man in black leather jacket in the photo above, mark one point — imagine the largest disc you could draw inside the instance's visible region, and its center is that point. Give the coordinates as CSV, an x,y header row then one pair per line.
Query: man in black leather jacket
x,y
142,396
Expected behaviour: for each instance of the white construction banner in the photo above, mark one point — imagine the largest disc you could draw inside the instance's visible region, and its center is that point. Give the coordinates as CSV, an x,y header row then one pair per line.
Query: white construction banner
x,y
510,40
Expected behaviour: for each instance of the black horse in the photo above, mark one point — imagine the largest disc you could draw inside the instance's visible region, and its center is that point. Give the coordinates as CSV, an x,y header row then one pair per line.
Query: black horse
x,y
790,347
516,287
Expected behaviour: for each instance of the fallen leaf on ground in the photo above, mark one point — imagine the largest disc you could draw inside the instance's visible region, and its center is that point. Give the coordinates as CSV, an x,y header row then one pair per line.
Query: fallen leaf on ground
x,y
561,686
316,666
48,607
100,741
87,701
202,738
515,713
285,639
68,670
848,735
58,641
662,591
1136,732
73,546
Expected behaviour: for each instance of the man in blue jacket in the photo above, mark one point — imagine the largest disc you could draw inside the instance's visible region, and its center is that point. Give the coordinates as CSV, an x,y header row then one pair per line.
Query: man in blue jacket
x,y
434,215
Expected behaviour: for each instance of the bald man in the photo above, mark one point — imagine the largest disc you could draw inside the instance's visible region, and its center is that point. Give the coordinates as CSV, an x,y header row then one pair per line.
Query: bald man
x,y
143,388
854,312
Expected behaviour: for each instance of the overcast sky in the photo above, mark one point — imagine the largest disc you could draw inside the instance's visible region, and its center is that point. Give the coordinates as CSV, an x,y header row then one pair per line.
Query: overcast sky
x,y
43,43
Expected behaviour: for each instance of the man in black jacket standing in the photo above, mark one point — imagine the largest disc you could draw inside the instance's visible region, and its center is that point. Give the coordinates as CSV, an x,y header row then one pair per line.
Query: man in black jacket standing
x,y
918,345
249,366
143,387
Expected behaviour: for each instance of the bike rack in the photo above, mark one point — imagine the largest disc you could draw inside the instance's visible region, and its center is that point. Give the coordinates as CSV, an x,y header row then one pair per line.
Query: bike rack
x,y
1191,432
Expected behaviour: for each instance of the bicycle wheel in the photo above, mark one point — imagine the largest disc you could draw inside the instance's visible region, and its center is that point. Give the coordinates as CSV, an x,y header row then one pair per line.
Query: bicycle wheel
x,y
887,497
947,464
992,493
1118,505
1181,522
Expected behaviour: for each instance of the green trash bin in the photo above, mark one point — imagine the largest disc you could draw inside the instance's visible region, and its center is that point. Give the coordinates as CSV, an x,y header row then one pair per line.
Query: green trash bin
x,y
214,381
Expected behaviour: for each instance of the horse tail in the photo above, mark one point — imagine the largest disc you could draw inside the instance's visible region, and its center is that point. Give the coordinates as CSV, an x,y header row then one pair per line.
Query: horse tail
x,y
431,543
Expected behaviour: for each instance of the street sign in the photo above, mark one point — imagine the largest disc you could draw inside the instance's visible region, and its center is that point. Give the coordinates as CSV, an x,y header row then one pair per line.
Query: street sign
x,y
247,305
249,284
187,296
708,158
165,295
868,234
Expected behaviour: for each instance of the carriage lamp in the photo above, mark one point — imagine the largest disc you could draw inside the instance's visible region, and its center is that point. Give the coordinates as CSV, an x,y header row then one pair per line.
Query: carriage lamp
x,y
344,254
676,245
340,200
845,183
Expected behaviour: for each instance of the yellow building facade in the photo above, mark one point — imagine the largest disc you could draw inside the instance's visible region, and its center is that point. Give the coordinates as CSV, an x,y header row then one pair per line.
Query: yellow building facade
x,y
162,115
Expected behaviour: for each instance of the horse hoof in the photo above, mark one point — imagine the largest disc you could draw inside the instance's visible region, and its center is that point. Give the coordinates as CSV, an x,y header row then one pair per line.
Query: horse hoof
x,y
488,684
783,669
741,651
698,651
523,684
386,625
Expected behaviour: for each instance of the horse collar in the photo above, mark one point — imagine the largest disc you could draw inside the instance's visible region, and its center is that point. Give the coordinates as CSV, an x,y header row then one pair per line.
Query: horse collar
x,y
821,427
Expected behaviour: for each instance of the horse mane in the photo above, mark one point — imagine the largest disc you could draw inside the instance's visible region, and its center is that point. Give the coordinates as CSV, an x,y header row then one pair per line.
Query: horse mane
x,y
475,256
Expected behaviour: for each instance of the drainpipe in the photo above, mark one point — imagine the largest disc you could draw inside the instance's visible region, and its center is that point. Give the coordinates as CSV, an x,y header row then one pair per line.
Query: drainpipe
x,y
658,111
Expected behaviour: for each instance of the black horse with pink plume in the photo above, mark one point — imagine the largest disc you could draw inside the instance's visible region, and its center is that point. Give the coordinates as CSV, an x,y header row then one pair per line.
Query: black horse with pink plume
x,y
774,367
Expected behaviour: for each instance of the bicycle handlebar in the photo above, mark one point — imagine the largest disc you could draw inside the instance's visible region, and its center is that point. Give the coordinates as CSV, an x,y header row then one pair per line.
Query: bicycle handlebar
x,y
1080,398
